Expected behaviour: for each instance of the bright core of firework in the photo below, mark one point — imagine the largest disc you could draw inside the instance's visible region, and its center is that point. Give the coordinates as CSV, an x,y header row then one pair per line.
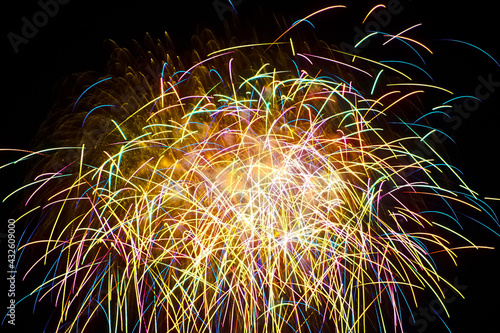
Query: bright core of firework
x,y
257,191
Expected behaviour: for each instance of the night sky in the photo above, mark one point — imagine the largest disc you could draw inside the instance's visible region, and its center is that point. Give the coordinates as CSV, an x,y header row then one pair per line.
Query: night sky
x,y
72,41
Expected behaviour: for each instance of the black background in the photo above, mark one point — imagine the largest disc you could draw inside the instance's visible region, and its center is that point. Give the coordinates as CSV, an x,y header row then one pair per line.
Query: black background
x,y
72,41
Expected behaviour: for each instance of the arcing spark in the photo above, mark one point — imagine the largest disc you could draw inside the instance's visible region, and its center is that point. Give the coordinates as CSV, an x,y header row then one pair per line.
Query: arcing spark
x,y
258,190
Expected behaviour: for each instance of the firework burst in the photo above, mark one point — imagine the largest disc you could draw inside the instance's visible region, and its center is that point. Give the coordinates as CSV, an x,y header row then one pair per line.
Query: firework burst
x,y
264,187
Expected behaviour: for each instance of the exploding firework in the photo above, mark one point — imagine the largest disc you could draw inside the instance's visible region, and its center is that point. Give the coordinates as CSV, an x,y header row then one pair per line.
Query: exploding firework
x,y
262,187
